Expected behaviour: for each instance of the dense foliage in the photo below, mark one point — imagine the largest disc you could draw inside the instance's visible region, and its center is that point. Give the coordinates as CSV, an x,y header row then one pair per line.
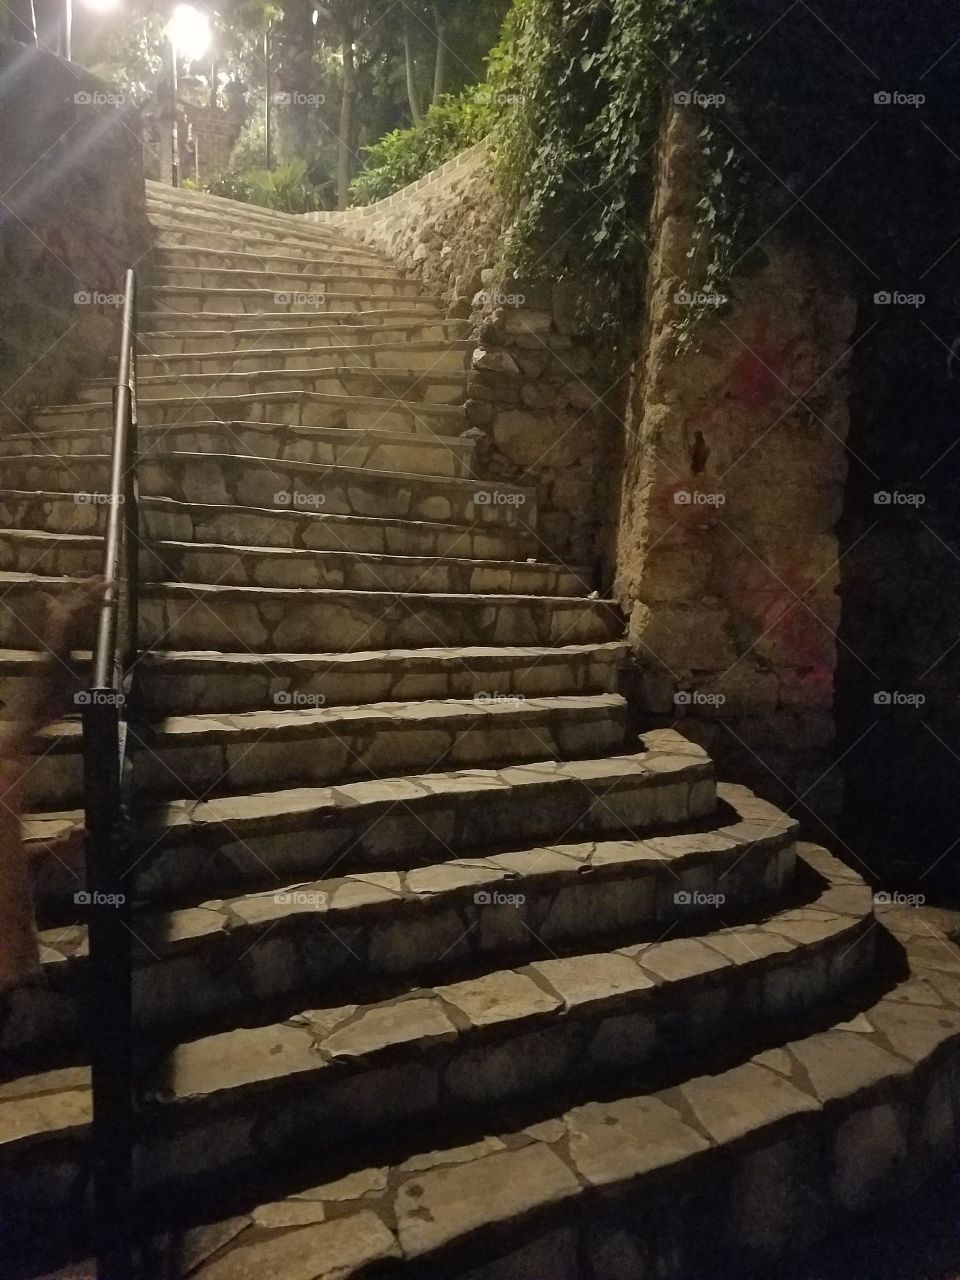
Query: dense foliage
x,y
402,156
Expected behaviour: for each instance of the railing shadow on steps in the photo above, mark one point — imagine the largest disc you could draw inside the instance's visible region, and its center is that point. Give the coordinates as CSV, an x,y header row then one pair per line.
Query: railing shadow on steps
x,y
107,782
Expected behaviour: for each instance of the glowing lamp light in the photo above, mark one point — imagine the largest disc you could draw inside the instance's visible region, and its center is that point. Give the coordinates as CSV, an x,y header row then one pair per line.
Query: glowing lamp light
x,y
189,32
102,6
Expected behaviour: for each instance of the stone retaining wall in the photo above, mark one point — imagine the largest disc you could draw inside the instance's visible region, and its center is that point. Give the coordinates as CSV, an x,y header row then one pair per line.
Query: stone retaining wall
x,y
734,482
536,390
73,218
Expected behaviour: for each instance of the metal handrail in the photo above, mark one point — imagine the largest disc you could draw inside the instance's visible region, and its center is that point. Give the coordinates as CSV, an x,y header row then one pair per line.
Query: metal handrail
x,y
108,860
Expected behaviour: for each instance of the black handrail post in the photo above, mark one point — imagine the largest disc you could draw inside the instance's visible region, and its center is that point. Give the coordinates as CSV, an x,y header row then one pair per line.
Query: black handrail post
x,y
111,1043
109,892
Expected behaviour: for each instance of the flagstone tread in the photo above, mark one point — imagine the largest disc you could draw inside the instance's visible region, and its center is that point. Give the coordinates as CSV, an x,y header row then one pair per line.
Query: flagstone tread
x,y
374,448
242,333
596,1185
313,409
192,850
460,1031
174,254
346,355
235,564
239,300
310,530
220,957
210,755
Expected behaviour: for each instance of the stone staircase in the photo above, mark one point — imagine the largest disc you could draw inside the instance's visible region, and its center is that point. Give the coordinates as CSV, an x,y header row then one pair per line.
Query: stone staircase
x,y
441,969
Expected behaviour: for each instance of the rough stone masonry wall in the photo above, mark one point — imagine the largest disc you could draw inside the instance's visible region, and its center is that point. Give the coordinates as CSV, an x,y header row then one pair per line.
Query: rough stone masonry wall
x,y
72,218
734,479
535,390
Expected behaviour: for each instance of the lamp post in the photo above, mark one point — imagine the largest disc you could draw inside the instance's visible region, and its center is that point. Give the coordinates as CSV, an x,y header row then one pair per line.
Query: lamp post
x,y
190,37
66,35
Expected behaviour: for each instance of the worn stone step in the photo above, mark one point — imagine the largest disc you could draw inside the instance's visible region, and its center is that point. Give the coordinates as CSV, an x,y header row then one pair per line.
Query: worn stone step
x,y
172,683
180,257
301,620
167,518
308,744
402,451
76,555
246,956
240,301
242,480
292,408
229,218
173,233
393,384
189,851
248,1101
311,278
405,357
169,332
786,1145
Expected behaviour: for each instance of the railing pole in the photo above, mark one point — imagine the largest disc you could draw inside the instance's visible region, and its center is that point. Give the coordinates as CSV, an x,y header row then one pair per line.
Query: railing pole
x,y
111,1046
108,895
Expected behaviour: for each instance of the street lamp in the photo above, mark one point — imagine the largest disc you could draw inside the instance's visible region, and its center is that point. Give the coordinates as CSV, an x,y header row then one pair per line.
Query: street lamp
x,y
98,6
190,37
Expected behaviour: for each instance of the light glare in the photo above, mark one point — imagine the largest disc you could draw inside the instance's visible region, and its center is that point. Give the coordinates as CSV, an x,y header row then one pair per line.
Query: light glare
x,y
189,32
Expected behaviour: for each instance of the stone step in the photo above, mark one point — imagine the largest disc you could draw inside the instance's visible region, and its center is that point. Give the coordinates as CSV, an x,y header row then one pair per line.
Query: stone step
x,y
247,1104
784,1145
188,852
239,301
292,408
402,451
311,278
179,257
168,519
395,384
422,357
162,332
242,480
192,235
230,217
183,615
310,745
77,555
172,683
247,956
